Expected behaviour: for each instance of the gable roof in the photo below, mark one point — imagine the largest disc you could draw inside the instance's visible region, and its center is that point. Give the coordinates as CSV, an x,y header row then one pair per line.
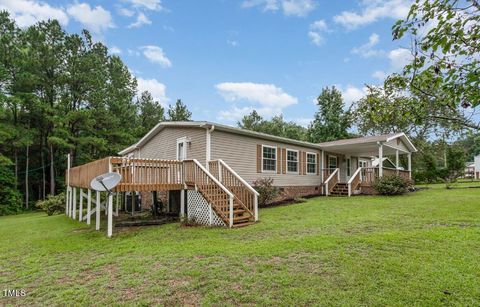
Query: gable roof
x,y
207,125
371,139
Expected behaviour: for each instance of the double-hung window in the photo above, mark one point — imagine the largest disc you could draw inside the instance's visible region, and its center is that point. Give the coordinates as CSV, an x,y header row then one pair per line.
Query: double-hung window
x,y
332,162
311,163
292,161
269,158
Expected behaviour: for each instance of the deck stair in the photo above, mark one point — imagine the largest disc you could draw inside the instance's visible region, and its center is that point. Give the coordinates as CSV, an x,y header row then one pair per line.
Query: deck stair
x,y
340,189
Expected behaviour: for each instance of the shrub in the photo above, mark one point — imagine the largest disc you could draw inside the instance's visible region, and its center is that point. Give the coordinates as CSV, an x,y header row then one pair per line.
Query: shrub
x,y
266,189
53,204
392,185
10,198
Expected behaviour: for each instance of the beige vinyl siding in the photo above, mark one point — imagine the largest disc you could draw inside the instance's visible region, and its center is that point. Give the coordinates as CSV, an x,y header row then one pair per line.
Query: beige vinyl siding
x,y
240,153
164,144
397,143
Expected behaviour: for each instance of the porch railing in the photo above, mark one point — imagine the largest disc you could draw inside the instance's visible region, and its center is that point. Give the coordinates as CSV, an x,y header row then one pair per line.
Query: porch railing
x,y
370,174
244,192
326,172
331,181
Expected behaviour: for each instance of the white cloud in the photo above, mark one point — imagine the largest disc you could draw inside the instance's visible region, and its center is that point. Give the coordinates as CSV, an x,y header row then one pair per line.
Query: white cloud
x,y
399,58
380,75
367,50
142,19
316,30
232,43
156,55
352,94
28,12
157,89
267,99
115,50
94,19
373,11
125,12
289,7
154,5
235,113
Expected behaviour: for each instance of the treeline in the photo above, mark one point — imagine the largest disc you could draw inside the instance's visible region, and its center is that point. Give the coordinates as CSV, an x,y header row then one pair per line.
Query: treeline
x,y
63,93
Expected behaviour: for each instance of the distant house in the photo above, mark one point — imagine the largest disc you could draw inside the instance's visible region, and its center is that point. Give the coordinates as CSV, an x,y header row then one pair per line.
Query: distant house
x,y
476,161
469,170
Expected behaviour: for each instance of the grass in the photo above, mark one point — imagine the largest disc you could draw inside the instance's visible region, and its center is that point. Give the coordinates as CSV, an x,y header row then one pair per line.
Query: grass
x,y
419,249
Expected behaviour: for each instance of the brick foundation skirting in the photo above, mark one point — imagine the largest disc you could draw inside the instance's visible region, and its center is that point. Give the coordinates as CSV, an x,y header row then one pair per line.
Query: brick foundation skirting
x,y
292,192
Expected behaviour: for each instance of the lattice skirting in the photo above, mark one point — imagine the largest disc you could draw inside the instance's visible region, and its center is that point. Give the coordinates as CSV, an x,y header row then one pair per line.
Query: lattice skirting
x,y
199,210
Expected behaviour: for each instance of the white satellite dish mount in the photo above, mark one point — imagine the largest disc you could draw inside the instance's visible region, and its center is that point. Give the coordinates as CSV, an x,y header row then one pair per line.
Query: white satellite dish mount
x,y
105,182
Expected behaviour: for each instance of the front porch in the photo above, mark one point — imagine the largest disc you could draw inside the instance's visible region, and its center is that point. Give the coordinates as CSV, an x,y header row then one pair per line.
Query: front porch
x,y
354,164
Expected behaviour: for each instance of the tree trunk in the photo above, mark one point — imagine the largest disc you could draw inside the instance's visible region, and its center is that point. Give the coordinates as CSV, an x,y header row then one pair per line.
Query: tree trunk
x,y
26,176
52,172
43,169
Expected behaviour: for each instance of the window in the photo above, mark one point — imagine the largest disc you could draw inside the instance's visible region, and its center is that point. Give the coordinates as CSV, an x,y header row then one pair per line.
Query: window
x,y
363,163
292,161
269,158
348,166
332,162
311,163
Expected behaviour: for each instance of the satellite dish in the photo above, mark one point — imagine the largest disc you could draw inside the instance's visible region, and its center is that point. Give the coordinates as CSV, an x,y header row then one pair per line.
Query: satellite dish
x,y
105,182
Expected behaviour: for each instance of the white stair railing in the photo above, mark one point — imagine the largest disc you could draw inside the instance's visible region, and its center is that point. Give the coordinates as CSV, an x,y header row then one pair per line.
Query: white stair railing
x,y
355,179
332,180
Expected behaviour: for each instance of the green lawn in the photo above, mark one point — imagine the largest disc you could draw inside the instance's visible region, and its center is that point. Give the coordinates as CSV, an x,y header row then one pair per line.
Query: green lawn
x,y
419,249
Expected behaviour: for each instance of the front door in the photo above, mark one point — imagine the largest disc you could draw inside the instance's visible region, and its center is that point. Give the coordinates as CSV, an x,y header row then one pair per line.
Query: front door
x,y
181,149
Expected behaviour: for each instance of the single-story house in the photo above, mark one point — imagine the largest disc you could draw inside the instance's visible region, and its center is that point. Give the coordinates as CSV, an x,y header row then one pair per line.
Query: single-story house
x,y
207,171
476,161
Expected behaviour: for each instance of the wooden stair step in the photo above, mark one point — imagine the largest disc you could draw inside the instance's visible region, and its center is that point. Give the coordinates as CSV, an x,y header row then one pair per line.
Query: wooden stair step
x,y
241,218
243,224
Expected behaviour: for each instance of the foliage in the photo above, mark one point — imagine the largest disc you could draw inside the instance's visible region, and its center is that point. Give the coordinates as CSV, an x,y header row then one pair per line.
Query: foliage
x,y
429,172
455,165
276,126
179,112
470,141
445,49
391,185
10,201
331,121
53,204
63,93
266,189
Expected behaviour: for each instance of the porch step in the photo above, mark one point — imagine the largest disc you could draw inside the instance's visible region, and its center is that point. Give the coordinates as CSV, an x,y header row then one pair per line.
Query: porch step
x,y
243,224
340,189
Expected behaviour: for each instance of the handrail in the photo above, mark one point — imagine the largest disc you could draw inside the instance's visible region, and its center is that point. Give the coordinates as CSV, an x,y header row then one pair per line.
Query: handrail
x,y
248,186
335,172
211,176
358,173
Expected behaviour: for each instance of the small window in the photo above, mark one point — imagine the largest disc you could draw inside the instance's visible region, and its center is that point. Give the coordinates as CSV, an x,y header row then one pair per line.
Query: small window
x,y
332,162
348,166
292,161
269,158
311,163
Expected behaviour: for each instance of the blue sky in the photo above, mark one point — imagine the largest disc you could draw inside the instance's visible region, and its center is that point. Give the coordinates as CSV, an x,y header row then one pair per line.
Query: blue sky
x,y
224,58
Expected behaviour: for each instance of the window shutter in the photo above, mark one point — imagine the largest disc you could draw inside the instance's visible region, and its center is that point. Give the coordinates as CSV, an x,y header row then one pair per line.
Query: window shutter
x,y
279,160
284,161
259,158
318,163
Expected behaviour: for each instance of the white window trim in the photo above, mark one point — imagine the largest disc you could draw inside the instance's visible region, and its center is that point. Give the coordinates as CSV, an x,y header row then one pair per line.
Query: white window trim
x,y
276,159
298,161
306,162
336,159
183,140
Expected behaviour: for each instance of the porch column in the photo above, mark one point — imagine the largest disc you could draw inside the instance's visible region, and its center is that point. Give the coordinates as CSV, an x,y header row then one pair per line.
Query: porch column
x,y
380,159
97,212
89,205
410,165
397,159
322,166
110,216
74,211
182,203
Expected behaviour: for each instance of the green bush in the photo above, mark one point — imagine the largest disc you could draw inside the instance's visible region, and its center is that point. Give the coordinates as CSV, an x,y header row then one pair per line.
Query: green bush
x,y
266,189
10,198
392,185
53,204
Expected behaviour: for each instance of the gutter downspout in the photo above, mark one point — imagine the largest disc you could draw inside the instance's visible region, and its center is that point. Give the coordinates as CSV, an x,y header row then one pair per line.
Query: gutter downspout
x,y
208,145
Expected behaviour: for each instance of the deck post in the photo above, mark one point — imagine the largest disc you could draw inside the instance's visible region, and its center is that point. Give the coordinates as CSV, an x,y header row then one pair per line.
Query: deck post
x,y
89,205
97,212
255,202
110,215
80,211
210,212
67,190
182,203
117,201
231,211
380,160
74,204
